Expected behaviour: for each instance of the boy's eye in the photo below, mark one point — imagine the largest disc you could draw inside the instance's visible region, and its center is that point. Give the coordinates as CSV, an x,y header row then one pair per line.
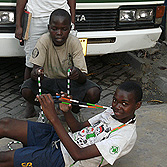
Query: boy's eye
x,y
114,100
124,104
53,29
64,29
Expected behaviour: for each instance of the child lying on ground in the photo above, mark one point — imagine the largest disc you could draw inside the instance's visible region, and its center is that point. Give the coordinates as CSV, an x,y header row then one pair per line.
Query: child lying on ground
x,y
105,136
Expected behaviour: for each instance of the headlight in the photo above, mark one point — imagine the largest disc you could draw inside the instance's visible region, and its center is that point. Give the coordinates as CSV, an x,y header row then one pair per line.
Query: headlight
x,y
144,14
127,15
135,15
6,17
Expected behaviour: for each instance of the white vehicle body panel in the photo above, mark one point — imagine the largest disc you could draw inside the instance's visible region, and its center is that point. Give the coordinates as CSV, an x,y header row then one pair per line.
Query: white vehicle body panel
x,y
125,40
113,5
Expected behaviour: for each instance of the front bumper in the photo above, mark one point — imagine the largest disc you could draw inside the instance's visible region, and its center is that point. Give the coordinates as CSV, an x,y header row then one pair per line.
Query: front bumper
x,y
9,46
128,40
121,41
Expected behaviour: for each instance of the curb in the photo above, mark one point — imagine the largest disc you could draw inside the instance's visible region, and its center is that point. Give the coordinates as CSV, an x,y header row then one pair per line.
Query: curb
x,y
145,67
138,63
161,82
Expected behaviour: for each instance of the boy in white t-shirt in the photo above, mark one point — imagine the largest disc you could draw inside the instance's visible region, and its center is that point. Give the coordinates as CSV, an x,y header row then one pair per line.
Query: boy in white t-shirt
x,y
98,141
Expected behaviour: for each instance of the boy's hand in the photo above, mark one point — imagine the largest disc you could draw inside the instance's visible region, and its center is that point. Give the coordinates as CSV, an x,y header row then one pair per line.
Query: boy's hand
x,y
75,73
36,72
40,72
48,105
65,107
19,32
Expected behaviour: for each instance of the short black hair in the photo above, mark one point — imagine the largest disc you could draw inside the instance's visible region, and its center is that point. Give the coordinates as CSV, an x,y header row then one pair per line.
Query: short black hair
x,y
62,13
132,86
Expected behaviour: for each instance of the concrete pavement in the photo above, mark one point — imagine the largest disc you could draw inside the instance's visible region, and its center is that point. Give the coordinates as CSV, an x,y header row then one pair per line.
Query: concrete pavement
x,y
150,149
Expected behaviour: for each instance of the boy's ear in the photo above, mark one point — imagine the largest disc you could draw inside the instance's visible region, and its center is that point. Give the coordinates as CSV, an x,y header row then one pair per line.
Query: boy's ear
x,y
138,105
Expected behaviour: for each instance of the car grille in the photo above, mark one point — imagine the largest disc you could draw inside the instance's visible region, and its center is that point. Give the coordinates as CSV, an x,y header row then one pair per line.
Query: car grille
x,y
96,20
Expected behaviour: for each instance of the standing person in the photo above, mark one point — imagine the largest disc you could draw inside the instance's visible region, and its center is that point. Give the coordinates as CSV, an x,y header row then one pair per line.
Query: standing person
x,y
105,136
54,53
163,24
41,11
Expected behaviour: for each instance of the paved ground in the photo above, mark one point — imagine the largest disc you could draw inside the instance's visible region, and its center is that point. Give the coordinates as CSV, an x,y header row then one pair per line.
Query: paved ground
x,y
150,149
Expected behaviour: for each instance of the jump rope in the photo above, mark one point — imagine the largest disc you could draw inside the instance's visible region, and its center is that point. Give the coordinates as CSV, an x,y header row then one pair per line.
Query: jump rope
x,y
41,117
73,102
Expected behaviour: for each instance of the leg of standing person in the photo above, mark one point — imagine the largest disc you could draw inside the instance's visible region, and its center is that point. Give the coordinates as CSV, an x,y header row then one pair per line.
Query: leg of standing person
x,y
163,24
38,27
29,111
15,129
27,73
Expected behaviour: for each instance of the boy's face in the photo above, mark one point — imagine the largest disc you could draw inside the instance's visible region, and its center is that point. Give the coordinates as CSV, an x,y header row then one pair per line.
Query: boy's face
x,y
59,29
124,105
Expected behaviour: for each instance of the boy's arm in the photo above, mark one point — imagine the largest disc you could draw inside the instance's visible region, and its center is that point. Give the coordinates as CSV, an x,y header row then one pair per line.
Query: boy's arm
x,y
72,4
73,124
19,12
79,67
76,152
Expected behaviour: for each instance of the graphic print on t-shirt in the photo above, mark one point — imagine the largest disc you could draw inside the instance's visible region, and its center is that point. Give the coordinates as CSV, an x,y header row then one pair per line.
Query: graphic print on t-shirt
x,y
90,135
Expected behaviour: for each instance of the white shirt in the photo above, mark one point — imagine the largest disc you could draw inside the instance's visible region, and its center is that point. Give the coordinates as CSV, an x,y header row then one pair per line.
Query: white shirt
x,y
111,145
43,8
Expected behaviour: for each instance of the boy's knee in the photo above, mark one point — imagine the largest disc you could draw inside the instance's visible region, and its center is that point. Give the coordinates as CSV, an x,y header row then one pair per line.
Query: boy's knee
x,y
27,94
93,95
5,120
4,123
